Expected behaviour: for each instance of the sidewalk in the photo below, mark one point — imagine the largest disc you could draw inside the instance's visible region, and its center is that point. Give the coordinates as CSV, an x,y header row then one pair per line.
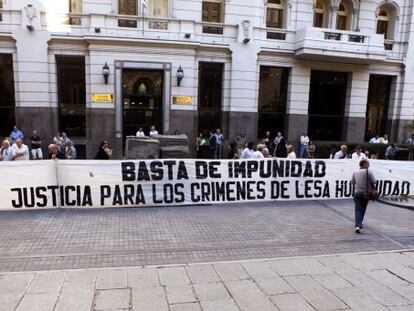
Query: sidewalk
x,y
367,281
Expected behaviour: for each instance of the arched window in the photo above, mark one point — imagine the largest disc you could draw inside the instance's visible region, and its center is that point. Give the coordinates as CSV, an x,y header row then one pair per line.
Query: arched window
x,y
275,13
319,14
342,18
384,23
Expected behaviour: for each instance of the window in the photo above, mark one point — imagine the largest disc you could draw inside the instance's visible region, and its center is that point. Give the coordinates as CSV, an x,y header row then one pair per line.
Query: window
x,y
212,12
127,7
342,18
273,87
75,6
319,11
158,8
7,102
71,95
383,23
1,7
275,14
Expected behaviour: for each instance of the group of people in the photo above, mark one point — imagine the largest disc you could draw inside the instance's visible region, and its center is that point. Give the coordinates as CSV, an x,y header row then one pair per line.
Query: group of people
x,y
13,147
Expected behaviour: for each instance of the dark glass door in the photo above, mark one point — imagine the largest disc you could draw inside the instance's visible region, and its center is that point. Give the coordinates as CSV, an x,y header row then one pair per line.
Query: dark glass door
x,y
326,105
7,102
377,107
142,100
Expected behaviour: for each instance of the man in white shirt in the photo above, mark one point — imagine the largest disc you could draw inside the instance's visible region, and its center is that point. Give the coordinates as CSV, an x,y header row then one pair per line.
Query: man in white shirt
x,y
410,143
258,153
248,151
342,154
6,151
304,142
140,132
153,131
358,154
21,151
375,140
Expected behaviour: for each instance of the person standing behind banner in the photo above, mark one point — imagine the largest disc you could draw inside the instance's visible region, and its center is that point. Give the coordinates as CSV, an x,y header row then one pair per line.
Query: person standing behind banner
x,y
70,151
104,152
21,151
358,154
304,142
55,152
280,146
342,153
16,134
6,151
219,144
248,151
36,141
364,184
290,152
410,143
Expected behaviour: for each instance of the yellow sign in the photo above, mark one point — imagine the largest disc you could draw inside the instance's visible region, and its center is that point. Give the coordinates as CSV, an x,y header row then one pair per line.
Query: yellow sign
x,y
103,98
182,100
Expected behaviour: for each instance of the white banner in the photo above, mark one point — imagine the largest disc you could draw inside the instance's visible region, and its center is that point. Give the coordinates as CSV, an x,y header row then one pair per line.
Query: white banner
x,y
39,184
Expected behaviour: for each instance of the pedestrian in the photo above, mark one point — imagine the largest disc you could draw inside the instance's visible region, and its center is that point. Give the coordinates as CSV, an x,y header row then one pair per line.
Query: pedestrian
x,y
280,146
391,152
257,154
248,151
410,143
20,151
36,142
290,152
55,152
232,152
364,188
201,144
6,151
15,134
241,142
268,141
332,154
266,153
358,154
342,153
104,152
65,139
70,151
311,150
58,141
153,131
375,140
140,133
304,142
218,150
384,140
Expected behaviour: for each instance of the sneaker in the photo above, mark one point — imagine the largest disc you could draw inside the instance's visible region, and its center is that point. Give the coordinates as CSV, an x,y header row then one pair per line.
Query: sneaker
x,y
357,230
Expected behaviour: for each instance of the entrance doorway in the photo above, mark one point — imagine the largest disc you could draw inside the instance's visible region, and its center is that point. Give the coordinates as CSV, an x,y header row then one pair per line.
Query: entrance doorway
x,y
142,100
378,104
210,90
326,105
7,102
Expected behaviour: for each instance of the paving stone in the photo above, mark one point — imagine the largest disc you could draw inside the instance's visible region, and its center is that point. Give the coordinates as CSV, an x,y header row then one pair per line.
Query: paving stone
x,y
403,272
75,301
297,266
222,305
274,286
406,291
314,293
248,296
211,291
335,263
173,276
38,302
202,274
179,294
9,301
111,278
143,277
231,271
291,302
386,278
368,261
402,308
81,276
259,270
186,307
109,299
47,282
145,299
79,281
15,283
358,300
377,291
331,281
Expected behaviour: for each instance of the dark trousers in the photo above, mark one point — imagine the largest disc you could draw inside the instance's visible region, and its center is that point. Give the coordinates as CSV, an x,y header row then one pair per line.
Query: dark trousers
x,y
218,151
360,208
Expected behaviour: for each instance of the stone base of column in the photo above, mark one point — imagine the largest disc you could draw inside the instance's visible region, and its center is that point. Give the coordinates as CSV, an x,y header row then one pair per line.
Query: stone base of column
x,y
185,121
354,129
296,124
235,123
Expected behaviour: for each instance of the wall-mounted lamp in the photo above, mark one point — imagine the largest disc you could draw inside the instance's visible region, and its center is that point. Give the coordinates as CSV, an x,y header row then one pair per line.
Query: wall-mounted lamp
x,y
187,35
30,28
97,30
105,72
180,75
30,14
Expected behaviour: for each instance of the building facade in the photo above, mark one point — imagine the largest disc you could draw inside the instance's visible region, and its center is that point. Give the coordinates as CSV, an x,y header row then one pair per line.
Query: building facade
x,y
100,69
